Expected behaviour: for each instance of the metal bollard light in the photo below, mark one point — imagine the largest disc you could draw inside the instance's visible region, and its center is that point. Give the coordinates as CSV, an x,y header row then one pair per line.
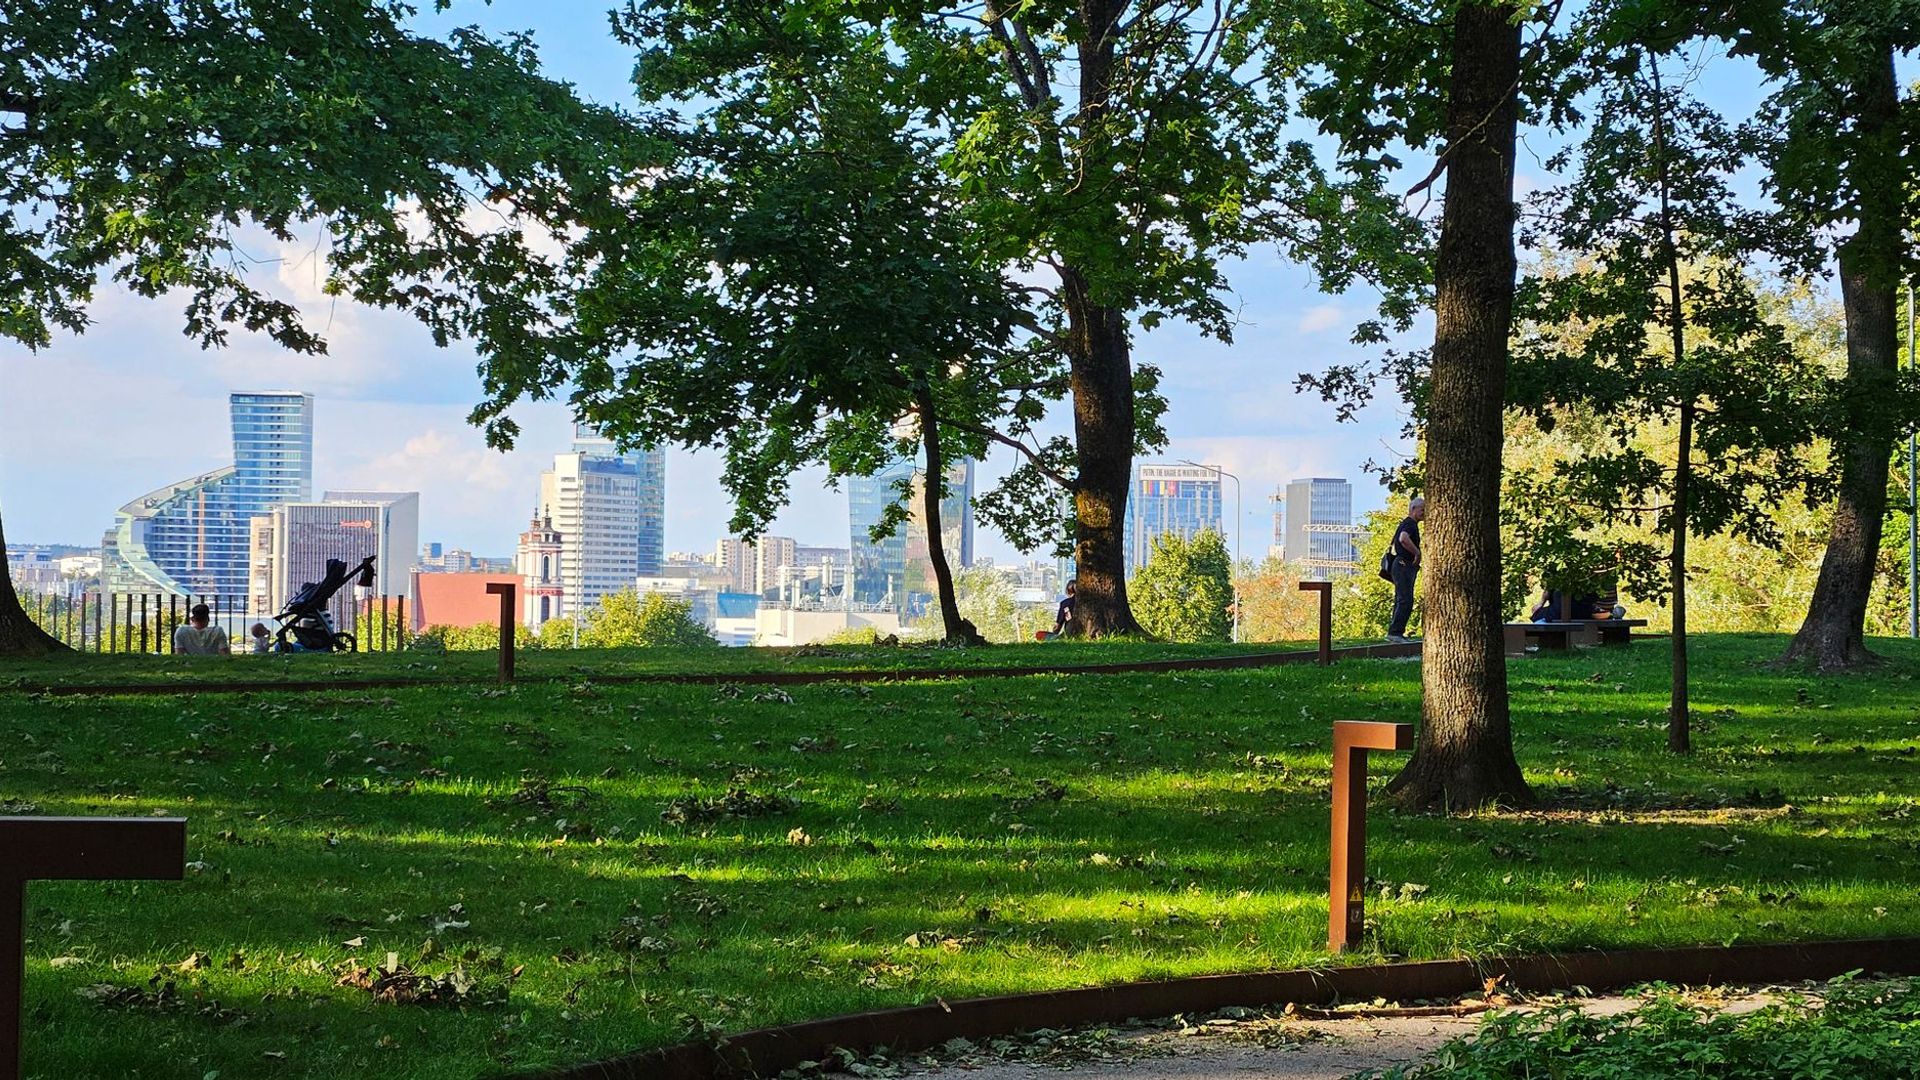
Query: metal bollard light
x,y
1352,739
71,849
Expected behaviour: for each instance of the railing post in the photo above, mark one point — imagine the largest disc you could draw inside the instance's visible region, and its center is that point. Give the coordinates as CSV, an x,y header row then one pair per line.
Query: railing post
x,y
505,590
1352,739
13,972
402,616
1325,589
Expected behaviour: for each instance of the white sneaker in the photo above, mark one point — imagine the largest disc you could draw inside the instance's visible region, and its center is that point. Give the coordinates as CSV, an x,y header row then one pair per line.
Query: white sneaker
x,y
1396,639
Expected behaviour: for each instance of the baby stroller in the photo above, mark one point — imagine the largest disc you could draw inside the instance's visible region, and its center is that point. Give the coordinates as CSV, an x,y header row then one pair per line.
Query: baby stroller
x,y
307,620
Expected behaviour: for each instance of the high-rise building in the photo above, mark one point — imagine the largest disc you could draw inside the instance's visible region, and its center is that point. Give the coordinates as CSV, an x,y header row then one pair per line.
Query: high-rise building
x,y
1177,499
538,562
771,555
652,474
1319,532
650,479
293,542
734,557
896,571
593,496
272,447
399,530
193,538
260,539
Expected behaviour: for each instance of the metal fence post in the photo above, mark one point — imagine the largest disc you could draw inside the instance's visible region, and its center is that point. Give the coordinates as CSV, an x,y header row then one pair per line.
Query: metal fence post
x,y
505,590
1346,917
1325,589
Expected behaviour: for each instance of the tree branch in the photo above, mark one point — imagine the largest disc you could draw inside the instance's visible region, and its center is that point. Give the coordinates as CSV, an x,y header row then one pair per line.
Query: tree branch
x,y
1028,452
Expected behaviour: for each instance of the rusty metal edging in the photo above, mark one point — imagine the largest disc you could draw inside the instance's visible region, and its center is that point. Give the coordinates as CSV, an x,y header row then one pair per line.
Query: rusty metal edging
x,y
744,678
767,1051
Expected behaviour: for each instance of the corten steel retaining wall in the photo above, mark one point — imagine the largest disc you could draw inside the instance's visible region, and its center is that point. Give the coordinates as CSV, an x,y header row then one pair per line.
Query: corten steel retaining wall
x,y
745,678
767,1051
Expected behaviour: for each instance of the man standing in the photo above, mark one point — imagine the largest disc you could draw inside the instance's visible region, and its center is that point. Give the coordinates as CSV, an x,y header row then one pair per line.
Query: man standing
x,y
195,638
1406,567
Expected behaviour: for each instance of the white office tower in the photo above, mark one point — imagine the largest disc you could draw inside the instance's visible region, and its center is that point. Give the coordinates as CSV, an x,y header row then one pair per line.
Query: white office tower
x,y
593,501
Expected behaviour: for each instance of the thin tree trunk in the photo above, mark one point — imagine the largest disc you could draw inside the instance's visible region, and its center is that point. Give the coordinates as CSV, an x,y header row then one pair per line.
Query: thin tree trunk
x,y
19,634
958,630
1679,710
1833,634
1464,758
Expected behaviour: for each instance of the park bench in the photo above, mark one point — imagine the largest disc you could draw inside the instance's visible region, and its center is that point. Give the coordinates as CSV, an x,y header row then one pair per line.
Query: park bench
x,y
1565,635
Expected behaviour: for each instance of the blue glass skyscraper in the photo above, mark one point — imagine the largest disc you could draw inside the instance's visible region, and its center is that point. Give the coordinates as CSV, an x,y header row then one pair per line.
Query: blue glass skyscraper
x,y
191,538
896,570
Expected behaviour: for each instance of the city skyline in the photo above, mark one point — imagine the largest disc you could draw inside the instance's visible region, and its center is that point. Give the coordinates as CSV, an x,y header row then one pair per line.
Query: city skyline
x,y
822,515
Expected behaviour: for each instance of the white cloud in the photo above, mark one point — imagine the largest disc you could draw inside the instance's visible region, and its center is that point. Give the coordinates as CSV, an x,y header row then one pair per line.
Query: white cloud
x,y
438,460
1321,317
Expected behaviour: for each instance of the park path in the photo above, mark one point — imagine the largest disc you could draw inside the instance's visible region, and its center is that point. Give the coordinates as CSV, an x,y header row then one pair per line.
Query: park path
x,y
1256,1046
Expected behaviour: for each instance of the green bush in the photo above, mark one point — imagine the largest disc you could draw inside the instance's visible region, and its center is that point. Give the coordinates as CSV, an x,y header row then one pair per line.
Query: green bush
x,y
482,638
626,618
852,635
1185,591
1861,1031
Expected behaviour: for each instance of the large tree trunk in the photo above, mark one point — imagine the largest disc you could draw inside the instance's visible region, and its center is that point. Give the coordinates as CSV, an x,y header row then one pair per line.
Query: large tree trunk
x,y
19,634
1464,758
1102,383
1834,631
958,630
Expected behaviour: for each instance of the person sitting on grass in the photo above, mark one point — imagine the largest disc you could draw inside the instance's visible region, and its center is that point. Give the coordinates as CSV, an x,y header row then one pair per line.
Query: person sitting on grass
x,y
195,638
262,644
1063,616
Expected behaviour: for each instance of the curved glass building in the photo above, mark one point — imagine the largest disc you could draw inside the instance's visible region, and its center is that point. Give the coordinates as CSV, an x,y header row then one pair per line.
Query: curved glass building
x,y
191,538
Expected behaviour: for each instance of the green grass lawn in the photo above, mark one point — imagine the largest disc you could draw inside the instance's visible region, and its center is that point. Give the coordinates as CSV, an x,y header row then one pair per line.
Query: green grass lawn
x,y
903,842
429,667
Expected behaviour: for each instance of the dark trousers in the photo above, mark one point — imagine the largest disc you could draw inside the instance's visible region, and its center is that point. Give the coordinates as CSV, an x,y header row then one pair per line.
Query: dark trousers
x,y
1403,575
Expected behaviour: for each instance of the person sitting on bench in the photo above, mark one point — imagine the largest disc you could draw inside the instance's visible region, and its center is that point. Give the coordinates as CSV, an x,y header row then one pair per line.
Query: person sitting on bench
x,y
1548,609
1586,607
1607,605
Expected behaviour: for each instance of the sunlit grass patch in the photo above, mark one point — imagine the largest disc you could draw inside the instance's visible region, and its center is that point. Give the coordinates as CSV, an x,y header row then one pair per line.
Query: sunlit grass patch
x,y
654,859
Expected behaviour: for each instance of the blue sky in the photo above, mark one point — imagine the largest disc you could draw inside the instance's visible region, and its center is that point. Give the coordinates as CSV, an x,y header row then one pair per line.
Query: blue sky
x,y
99,419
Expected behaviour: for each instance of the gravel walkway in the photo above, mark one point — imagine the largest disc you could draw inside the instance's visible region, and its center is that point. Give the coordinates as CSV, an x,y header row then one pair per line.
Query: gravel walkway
x,y
1242,1046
